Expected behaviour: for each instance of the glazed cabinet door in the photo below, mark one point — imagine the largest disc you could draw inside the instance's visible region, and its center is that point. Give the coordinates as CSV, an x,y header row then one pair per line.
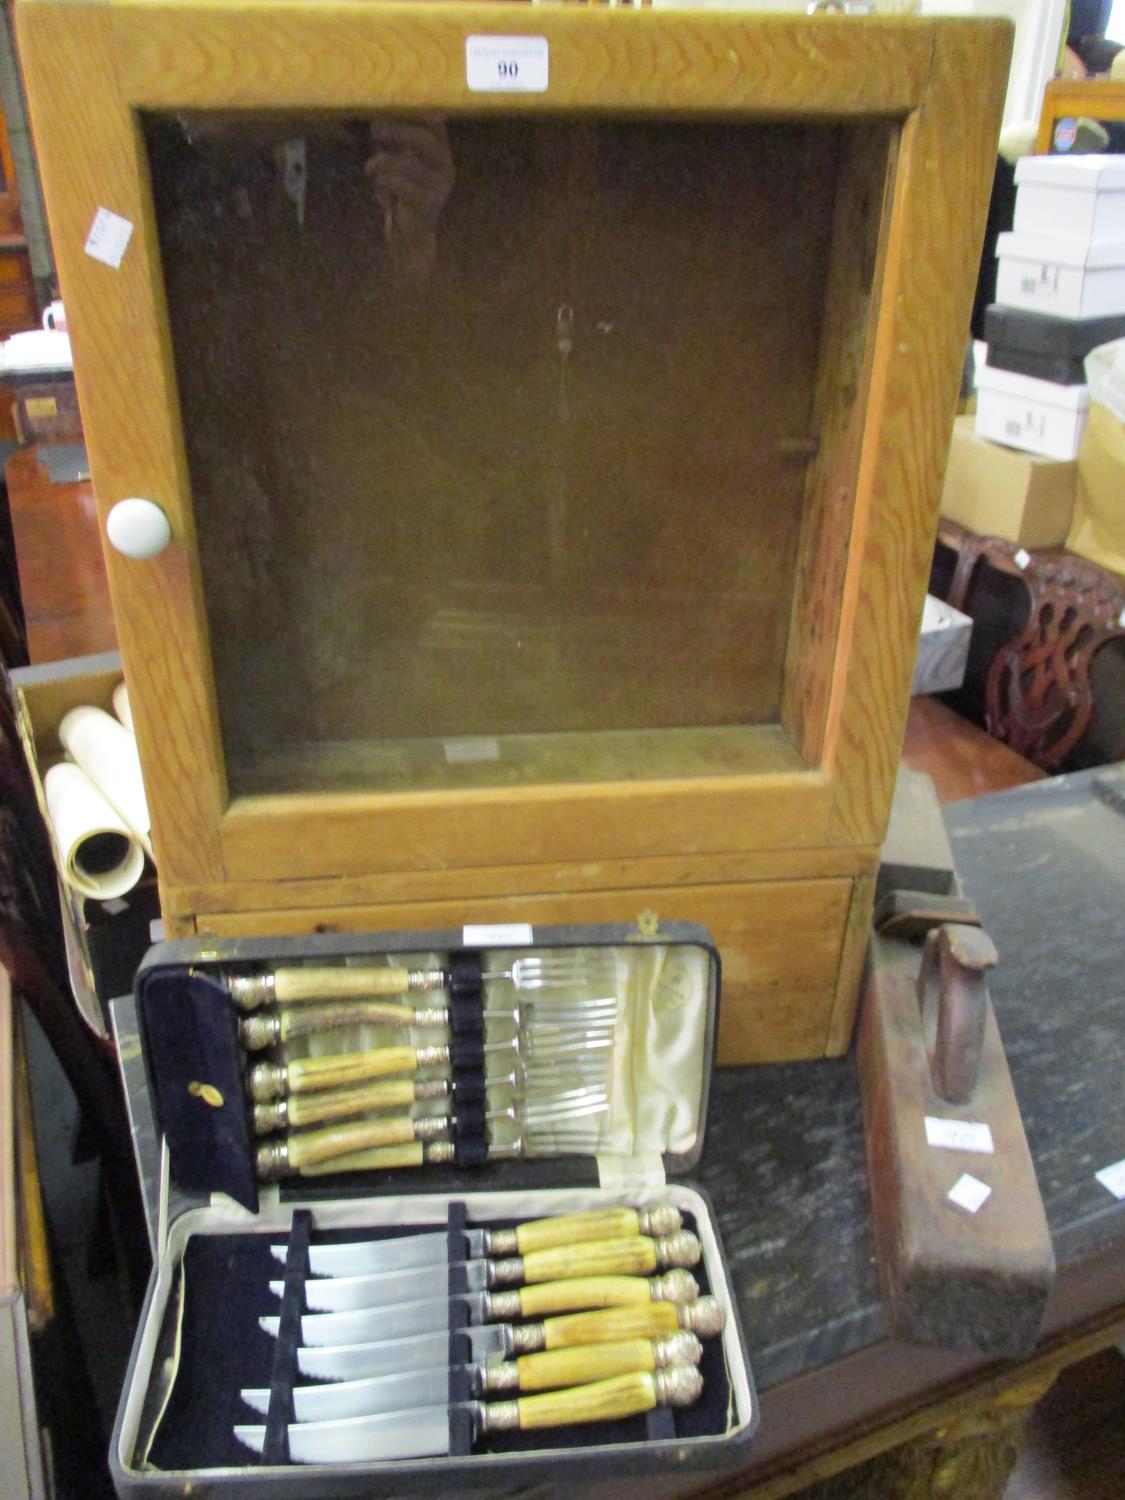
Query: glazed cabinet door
x,y
548,409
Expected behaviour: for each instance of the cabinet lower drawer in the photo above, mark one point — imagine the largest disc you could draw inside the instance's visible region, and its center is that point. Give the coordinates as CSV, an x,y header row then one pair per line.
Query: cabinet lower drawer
x,y
781,942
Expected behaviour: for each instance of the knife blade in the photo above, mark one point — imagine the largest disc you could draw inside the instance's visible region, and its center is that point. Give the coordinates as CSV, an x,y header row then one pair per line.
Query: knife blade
x,y
368,1257
635,1255
570,1331
530,1372
426,1432
432,1315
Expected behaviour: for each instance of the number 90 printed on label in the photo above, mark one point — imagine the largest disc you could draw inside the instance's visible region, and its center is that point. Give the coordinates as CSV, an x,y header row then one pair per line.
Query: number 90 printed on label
x,y
506,64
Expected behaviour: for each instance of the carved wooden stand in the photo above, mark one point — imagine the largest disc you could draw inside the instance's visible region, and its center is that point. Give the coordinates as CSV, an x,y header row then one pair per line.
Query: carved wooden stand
x,y
1038,695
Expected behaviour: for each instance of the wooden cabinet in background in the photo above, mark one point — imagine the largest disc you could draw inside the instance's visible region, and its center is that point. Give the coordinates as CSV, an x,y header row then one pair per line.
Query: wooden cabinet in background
x,y
552,474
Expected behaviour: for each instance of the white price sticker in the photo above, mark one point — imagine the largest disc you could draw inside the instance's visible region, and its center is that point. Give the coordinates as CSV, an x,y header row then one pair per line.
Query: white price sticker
x,y
506,64
108,238
969,1193
959,1135
498,935
471,747
1113,1178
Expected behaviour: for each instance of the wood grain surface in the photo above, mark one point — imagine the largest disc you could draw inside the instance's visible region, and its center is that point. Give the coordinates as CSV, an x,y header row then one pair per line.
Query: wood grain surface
x,y
946,162
346,56
90,157
780,943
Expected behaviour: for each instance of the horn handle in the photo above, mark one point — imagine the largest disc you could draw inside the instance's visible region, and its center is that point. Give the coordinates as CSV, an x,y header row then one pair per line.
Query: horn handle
x,y
647,1320
337,982
307,1074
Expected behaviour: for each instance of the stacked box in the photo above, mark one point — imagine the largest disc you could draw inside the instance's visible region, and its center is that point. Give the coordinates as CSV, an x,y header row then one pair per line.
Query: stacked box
x,y
1061,292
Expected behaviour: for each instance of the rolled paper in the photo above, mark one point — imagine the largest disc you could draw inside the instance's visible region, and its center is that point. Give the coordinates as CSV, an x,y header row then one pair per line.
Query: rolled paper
x,y
107,752
99,855
121,706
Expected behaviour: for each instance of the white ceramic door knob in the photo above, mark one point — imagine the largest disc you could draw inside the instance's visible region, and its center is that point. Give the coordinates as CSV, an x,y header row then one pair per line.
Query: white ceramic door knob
x,y
138,528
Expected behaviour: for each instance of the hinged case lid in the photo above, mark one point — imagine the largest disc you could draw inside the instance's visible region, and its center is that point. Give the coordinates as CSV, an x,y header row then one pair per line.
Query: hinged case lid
x,y
655,1077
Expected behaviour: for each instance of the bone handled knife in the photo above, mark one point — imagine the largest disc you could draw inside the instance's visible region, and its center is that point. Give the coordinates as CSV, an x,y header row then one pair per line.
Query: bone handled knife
x,y
368,1257
637,1255
549,1371
427,1432
497,1341
432,1314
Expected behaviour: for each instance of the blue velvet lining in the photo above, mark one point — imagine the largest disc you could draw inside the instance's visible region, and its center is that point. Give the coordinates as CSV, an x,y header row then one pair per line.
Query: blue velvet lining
x,y
227,1289
190,1038
283,1376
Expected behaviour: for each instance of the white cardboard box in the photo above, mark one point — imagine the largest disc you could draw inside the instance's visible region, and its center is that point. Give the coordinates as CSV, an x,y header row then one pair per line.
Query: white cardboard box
x,y
1063,277
1031,414
1080,198
943,648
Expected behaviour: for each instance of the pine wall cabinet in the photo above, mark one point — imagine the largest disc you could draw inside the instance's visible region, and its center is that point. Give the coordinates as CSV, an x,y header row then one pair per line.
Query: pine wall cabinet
x,y
549,408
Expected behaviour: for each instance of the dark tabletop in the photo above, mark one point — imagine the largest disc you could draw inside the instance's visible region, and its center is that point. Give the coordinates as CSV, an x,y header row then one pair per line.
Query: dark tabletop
x,y
784,1158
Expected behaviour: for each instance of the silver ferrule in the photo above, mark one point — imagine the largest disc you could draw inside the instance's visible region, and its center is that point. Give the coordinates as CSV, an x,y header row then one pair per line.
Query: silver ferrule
x,y
677,1349
267,1080
432,1057
674,1286
497,1376
430,1127
262,1030
499,1416
501,1307
272,1160
507,1272
501,1242
273,1116
705,1317
434,1015
661,1220
524,1338
425,979
432,1088
248,991
439,1153
678,1385
679,1249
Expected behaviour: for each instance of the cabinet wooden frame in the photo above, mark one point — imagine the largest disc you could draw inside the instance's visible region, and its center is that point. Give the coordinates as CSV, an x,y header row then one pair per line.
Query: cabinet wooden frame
x,y
921,101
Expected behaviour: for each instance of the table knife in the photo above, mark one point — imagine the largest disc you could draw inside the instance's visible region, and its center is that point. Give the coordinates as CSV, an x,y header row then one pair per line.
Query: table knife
x,y
369,1257
427,1431
489,1377
505,1340
636,1255
434,1314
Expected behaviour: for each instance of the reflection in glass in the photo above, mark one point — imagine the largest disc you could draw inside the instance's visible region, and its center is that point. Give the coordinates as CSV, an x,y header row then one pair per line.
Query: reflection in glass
x,y
494,430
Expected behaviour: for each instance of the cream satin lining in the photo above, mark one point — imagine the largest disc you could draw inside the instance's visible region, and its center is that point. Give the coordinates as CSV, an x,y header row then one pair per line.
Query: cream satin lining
x,y
654,1077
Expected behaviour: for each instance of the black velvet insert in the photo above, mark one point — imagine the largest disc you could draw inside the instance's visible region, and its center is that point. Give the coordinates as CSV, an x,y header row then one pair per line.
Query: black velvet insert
x,y
190,1041
283,1376
460,1381
223,1350
465,973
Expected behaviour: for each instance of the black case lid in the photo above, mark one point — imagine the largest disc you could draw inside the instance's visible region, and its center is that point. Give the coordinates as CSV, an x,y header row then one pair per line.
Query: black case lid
x,y
193,1060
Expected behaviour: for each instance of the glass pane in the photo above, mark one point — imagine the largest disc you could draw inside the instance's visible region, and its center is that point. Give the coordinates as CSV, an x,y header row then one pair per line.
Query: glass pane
x,y
497,432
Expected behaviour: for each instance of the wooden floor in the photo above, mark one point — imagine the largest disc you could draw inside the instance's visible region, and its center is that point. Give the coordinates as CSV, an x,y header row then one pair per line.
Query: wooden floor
x,y
1076,1448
